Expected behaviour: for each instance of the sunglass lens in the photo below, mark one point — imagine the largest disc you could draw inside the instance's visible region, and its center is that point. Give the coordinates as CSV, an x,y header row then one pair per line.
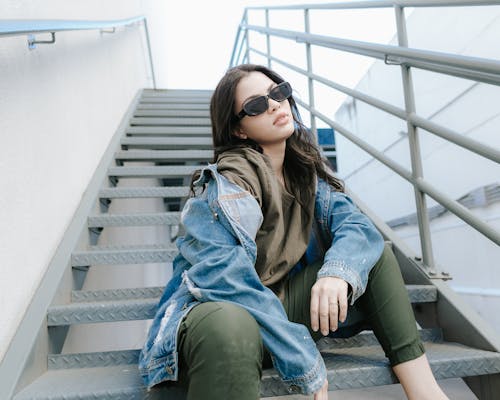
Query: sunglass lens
x,y
281,92
256,106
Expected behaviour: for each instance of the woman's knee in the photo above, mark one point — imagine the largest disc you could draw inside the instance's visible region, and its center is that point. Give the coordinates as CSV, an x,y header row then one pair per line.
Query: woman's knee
x,y
223,330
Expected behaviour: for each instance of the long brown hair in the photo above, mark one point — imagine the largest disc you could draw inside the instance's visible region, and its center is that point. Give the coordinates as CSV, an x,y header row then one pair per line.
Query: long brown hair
x,y
302,157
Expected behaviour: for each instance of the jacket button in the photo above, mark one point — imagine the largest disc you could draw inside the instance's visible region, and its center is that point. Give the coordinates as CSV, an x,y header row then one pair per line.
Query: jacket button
x,y
170,371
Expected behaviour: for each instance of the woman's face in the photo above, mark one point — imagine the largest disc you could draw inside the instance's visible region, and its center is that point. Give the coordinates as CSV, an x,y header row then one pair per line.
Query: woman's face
x,y
274,125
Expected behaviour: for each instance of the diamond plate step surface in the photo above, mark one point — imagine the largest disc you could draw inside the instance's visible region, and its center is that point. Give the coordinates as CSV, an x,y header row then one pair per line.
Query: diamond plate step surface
x,y
172,113
169,130
153,292
165,155
112,306
152,121
153,172
173,106
347,368
125,256
202,142
102,311
118,357
144,192
139,219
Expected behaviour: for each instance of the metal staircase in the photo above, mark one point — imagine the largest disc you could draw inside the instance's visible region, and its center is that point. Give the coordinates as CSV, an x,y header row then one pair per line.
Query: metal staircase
x,y
170,129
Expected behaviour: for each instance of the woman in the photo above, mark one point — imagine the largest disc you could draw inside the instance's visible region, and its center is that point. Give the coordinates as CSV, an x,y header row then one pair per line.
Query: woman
x,y
274,257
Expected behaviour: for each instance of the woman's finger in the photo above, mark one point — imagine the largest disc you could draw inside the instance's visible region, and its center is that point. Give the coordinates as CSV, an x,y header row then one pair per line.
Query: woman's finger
x,y
324,314
314,308
343,305
333,307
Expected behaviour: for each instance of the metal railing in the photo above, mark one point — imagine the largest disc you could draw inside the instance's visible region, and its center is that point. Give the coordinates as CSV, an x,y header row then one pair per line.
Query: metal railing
x,y
473,68
16,27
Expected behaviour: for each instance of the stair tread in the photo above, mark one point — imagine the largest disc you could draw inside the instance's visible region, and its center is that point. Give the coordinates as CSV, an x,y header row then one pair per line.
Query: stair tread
x,y
115,305
170,155
121,255
166,113
145,191
131,356
134,219
171,140
169,130
347,368
150,171
157,121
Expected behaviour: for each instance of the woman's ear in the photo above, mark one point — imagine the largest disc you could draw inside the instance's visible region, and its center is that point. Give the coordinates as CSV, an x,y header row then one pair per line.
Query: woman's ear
x,y
240,134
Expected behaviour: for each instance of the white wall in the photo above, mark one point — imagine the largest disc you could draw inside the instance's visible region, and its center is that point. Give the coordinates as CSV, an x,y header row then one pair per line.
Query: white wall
x,y
470,109
59,106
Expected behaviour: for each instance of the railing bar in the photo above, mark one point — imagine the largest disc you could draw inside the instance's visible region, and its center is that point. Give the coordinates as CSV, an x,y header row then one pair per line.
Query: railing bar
x,y
379,4
22,27
361,143
452,205
150,54
396,111
381,51
439,130
460,140
493,79
414,146
236,41
459,210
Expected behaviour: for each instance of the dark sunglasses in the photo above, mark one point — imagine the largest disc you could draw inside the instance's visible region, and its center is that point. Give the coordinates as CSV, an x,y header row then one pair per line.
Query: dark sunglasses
x,y
260,104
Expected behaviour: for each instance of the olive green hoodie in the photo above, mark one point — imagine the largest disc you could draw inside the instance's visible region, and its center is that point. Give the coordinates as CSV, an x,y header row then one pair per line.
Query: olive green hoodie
x,y
284,234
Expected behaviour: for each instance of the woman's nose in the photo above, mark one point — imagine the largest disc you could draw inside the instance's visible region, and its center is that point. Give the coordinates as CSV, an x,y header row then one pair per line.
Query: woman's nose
x,y
273,104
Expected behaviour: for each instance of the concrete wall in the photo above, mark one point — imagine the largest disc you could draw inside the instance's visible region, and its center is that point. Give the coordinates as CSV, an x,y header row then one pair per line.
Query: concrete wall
x,y
470,109
59,106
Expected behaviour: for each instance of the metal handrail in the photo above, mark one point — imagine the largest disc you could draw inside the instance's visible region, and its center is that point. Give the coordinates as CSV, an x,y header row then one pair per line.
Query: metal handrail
x,y
474,68
17,27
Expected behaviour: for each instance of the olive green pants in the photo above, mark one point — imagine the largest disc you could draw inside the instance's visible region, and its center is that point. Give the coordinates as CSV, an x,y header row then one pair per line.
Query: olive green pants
x,y
221,355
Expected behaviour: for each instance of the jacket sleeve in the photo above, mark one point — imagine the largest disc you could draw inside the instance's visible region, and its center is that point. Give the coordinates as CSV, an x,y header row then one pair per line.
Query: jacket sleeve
x,y
222,270
355,244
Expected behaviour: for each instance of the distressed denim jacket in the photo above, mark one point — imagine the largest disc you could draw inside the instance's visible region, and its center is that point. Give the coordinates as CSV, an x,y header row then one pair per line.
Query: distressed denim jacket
x,y
216,263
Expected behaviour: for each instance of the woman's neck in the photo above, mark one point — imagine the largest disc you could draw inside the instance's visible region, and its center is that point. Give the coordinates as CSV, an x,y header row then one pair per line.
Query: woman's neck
x,y
276,154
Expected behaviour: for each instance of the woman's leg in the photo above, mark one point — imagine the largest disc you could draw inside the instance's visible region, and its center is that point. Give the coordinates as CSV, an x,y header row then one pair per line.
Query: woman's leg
x,y
220,351
389,312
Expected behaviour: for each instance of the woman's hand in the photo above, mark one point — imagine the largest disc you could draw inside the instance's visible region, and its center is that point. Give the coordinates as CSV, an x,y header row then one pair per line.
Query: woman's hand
x,y
328,304
322,394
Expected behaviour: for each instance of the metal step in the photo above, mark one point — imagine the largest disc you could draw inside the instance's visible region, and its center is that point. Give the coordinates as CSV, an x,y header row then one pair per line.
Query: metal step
x,y
120,357
102,311
152,121
141,307
169,130
173,106
134,219
347,368
123,256
144,192
166,143
165,155
153,292
173,100
153,172
172,113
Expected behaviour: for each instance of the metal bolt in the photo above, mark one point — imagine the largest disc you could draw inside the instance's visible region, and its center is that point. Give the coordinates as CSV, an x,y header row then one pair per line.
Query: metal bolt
x,y
417,258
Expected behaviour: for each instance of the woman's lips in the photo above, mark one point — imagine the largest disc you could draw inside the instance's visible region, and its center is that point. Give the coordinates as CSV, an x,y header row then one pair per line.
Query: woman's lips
x,y
281,119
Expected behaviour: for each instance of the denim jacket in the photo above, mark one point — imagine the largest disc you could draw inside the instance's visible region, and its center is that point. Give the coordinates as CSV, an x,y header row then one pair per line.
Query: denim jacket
x,y
216,263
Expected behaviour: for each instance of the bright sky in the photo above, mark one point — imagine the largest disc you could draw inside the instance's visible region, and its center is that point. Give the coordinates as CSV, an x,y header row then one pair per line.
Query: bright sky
x,y
199,36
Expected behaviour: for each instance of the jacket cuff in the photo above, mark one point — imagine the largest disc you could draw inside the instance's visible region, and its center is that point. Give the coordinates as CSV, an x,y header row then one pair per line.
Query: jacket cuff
x,y
309,383
339,269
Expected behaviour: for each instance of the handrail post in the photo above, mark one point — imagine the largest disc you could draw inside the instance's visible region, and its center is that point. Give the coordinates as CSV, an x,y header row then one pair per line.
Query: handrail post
x,y
310,83
247,42
268,40
416,160
149,52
